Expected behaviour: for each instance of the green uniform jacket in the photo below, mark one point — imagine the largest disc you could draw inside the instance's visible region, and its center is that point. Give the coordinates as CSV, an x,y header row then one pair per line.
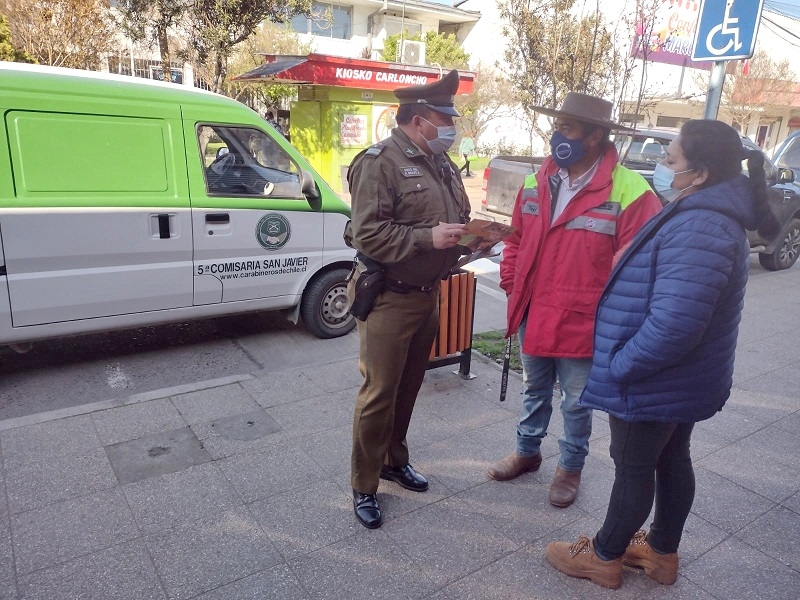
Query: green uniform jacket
x,y
398,193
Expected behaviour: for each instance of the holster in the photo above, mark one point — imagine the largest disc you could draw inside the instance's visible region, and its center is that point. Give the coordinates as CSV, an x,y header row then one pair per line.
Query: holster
x,y
370,283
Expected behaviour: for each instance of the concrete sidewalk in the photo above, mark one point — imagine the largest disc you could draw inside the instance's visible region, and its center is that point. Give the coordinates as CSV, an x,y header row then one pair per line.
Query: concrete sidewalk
x,y
239,489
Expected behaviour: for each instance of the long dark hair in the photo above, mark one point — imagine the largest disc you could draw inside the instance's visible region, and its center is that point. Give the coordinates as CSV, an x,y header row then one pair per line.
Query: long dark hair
x,y
717,148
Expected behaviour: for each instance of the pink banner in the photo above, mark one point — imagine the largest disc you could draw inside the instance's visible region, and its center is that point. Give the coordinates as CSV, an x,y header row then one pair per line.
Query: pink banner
x,y
671,34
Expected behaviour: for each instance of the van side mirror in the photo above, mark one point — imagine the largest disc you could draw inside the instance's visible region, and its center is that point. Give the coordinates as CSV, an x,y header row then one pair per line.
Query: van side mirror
x,y
308,186
786,176
222,151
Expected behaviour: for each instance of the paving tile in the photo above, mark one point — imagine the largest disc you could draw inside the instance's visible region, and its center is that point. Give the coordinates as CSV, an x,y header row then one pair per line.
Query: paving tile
x,y
775,534
58,478
258,475
726,504
757,473
448,540
427,428
73,436
774,443
683,589
463,409
123,572
764,407
277,583
8,590
176,498
735,570
458,463
214,403
6,551
792,503
367,566
337,376
307,519
207,554
522,513
731,424
315,414
282,387
60,532
705,442
137,420
155,455
790,423
240,433
331,450
699,536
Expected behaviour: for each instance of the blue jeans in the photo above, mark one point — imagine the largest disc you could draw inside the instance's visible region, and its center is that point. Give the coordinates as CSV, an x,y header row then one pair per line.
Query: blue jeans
x,y
539,374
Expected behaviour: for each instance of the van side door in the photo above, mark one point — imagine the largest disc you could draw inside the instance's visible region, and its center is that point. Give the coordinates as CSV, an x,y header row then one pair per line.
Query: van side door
x,y
98,221
256,236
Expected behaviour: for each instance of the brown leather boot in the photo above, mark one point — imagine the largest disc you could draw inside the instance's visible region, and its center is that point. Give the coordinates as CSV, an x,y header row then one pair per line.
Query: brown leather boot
x,y
513,466
564,487
640,555
578,559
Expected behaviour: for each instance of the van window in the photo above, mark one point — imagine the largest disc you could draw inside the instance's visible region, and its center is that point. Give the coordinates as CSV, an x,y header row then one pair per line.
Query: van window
x,y
57,153
245,161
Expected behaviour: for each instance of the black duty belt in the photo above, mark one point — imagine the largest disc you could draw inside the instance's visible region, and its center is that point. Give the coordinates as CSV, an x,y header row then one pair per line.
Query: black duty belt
x,y
399,287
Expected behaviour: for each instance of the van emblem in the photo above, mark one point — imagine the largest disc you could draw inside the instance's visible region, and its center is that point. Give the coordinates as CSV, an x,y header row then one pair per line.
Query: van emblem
x,y
273,231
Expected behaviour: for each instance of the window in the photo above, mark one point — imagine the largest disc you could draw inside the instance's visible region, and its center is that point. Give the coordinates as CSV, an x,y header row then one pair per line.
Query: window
x,y
394,26
327,20
244,161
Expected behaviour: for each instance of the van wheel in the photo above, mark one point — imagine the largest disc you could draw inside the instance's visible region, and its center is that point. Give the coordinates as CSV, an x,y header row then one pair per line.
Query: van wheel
x,y
325,308
786,254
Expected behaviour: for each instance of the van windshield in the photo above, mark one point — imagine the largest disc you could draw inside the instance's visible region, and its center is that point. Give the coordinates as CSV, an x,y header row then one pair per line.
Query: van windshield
x,y
641,149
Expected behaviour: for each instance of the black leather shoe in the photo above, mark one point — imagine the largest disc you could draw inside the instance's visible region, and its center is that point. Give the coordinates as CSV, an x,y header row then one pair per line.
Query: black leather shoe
x,y
406,477
367,510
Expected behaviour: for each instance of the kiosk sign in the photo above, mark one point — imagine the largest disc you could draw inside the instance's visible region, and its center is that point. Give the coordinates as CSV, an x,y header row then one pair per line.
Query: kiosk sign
x,y
726,29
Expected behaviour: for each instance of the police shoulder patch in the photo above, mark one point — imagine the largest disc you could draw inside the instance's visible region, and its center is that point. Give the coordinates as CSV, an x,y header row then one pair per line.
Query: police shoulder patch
x,y
410,171
374,150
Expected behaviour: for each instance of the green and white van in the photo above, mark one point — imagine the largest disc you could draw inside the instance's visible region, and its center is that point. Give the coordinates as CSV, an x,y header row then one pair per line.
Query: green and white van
x,y
127,202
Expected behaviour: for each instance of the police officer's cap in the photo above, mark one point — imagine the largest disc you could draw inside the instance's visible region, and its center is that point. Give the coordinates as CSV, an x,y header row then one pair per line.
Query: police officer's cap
x,y
438,96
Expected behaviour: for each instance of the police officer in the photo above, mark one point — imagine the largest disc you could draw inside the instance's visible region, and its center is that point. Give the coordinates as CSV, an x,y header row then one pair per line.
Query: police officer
x,y
409,207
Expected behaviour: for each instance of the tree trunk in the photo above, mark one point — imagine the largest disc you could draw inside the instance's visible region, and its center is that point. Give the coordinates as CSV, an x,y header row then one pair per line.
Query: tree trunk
x,y
163,46
219,71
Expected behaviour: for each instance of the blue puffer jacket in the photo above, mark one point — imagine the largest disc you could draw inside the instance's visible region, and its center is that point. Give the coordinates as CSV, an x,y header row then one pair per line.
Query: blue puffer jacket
x,y
667,322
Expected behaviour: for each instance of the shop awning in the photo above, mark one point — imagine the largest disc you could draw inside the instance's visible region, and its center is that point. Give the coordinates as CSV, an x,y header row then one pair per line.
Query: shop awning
x,y
321,69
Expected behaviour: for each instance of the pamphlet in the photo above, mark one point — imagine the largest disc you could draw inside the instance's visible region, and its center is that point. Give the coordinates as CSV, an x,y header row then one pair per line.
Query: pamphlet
x,y
483,233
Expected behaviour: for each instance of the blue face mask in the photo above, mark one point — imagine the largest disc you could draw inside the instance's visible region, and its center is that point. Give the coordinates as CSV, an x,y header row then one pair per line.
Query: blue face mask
x,y
663,177
565,151
445,137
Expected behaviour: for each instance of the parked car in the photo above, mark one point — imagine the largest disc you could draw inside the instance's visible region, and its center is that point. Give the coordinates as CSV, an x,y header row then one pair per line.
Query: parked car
x,y
787,156
640,151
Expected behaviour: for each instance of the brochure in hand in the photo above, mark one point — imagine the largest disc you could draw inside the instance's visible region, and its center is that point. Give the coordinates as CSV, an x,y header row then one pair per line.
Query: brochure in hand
x,y
482,237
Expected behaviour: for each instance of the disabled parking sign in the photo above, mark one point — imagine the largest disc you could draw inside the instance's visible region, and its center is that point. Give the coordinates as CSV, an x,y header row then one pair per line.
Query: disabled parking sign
x,y
726,29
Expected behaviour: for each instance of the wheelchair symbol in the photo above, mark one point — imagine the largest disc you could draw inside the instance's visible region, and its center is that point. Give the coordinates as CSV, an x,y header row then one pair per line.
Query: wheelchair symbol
x,y
725,31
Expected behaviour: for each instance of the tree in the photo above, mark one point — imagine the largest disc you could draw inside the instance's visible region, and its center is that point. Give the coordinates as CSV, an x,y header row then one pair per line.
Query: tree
x,y
440,48
65,33
219,25
753,91
488,100
150,21
7,49
269,38
551,52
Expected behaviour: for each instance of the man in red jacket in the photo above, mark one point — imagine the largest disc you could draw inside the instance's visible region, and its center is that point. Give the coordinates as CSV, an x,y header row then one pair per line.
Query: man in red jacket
x,y
570,218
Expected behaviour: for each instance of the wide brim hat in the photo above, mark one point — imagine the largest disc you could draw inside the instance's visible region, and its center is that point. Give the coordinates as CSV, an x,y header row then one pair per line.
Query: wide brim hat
x,y
584,108
439,95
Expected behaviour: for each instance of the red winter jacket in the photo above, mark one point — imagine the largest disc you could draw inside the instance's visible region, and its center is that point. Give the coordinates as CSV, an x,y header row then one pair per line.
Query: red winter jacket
x,y
557,273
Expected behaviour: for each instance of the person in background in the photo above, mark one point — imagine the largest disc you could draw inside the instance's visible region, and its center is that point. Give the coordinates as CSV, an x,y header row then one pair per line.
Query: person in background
x,y
664,347
570,218
270,118
409,207
466,148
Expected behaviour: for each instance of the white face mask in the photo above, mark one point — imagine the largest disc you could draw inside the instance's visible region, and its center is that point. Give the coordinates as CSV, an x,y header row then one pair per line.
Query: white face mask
x,y
444,140
663,178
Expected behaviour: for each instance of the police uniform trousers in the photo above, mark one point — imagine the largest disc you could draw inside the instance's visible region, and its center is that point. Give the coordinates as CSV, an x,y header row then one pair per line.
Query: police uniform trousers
x,y
395,346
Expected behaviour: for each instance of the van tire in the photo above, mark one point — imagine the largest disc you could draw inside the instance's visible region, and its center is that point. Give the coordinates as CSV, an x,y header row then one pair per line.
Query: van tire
x,y
325,308
787,251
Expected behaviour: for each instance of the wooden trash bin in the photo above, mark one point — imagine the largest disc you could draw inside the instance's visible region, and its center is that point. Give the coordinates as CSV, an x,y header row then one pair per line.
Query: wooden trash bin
x,y
453,343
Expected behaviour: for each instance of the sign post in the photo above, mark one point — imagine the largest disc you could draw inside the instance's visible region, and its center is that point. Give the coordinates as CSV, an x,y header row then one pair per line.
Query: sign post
x,y
726,30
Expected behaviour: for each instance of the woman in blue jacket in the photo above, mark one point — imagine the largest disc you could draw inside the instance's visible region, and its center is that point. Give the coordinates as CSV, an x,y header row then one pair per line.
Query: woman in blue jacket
x,y
664,343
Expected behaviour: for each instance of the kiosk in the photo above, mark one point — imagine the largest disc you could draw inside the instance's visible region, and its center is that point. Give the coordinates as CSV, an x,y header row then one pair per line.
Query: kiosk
x,y
344,104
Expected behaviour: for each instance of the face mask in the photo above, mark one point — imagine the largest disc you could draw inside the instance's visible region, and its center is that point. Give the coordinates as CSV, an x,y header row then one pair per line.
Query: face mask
x,y
565,151
445,137
663,178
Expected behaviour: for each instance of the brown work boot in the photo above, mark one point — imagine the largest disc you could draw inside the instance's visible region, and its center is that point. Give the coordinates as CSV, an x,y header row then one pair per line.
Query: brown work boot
x,y
578,559
564,487
513,466
640,555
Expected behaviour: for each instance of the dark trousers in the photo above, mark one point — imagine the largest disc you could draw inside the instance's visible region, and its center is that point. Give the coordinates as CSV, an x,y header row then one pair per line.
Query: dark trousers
x,y
651,460
466,164
395,346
